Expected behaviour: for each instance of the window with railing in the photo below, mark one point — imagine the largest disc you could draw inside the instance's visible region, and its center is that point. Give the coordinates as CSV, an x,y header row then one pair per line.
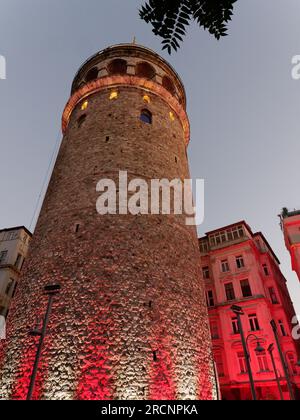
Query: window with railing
x,y
225,266
11,236
230,293
204,247
227,235
242,363
254,323
263,362
210,299
266,270
246,288
273,296
235,326
240,263
3,257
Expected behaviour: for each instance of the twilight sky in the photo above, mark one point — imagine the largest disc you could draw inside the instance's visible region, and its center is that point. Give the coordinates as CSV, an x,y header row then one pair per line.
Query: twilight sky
x,y
242,101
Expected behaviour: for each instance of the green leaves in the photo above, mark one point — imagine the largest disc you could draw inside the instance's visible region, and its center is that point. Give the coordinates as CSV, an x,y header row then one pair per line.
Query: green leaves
x,y
171,18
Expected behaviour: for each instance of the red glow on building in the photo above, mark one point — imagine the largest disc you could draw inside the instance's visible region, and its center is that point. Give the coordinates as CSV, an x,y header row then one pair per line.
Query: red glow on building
x,y
205,382
290,222
95,383
102,331
99,84
162,373
24,372
240,268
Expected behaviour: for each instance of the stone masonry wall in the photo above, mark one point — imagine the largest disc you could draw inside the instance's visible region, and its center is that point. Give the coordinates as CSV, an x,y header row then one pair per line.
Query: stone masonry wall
x,y
131,319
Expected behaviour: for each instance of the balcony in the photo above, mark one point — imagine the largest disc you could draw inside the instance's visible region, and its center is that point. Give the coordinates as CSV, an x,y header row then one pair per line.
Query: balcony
x,y
240,299
8,266
229,236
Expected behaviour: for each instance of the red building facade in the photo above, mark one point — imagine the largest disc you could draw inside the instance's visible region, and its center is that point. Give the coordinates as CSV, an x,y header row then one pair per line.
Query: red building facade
x,y
290,222
240,268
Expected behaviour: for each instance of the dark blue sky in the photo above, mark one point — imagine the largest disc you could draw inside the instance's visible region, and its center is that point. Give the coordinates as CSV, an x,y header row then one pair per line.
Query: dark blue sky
x,y
243,104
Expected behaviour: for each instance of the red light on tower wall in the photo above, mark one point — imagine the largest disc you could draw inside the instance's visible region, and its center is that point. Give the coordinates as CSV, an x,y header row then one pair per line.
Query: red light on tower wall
x,y
103,332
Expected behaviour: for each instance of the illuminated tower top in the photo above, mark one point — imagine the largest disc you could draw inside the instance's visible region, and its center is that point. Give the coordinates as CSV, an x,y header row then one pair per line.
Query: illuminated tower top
x,y
133,65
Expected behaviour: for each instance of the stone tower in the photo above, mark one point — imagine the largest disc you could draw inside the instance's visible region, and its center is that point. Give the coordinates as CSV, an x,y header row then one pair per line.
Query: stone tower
x,y
131,320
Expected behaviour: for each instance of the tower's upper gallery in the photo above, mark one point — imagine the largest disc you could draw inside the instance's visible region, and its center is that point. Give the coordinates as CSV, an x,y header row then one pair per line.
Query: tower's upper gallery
x,y
132,60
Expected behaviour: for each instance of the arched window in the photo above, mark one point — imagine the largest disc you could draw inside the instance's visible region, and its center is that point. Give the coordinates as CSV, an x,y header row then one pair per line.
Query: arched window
x,y
146,116
169,85
92,74
117,66
81,120
145,70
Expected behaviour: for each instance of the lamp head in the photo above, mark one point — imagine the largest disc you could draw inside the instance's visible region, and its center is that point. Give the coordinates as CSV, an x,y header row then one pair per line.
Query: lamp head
x,y
259,349
237,310
52,289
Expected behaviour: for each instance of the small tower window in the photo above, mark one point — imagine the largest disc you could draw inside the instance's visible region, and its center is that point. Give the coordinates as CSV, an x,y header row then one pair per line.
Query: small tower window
x,y
113,95
84,106
146,116
81,120
168,84
146,99
92,75
172,116
145,70
117,67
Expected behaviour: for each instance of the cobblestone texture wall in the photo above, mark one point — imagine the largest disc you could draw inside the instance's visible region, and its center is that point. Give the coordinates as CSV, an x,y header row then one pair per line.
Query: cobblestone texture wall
x,y
131,319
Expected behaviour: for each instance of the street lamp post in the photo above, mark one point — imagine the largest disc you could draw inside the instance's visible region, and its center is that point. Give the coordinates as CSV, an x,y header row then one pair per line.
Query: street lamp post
x,y
238,312
283,362
217,381
51,291
270,350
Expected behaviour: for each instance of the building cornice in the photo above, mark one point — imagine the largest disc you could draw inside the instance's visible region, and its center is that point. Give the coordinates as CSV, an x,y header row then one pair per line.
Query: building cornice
x,y
16,228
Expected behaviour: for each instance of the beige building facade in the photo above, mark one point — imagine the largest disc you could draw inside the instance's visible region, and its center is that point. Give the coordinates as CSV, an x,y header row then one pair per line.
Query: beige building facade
x,y
14,243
